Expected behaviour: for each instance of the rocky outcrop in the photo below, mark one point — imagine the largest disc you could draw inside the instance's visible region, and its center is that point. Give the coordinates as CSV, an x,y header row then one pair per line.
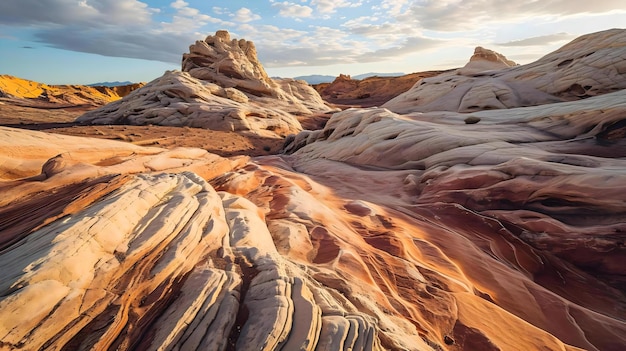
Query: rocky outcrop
x,y
32,92
588,66
233,63
122,90
177,99
222,86
229,63
371,91
485,60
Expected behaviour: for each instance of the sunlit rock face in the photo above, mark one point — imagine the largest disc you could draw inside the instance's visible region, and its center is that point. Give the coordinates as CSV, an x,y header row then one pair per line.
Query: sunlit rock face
x,y
14,87
222,86
371,91
380,231
591,65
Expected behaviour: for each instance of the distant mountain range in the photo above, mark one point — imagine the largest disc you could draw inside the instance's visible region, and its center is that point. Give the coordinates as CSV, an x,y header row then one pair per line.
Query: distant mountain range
x,y
110,84
318,78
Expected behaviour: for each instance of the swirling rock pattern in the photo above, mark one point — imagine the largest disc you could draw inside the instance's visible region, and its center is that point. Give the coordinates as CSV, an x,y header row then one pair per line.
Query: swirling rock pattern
x,y
380,231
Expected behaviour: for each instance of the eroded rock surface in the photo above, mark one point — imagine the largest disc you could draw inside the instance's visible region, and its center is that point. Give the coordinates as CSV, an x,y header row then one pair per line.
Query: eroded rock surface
x,y
222,86
380,231
591,65
371,91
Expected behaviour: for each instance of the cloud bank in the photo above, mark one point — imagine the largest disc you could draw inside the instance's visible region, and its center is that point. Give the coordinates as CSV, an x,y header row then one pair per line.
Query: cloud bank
x,y
310,32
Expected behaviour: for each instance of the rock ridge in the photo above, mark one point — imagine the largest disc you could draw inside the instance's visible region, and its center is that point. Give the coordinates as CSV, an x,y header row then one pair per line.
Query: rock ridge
x,y
590,65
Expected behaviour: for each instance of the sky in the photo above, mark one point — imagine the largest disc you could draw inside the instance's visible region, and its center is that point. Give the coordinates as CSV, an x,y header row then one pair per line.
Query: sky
x,y
88,41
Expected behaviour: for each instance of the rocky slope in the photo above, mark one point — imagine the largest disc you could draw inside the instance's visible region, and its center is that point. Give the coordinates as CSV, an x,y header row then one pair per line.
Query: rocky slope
x,y
29,92
588,66
222,86
379,231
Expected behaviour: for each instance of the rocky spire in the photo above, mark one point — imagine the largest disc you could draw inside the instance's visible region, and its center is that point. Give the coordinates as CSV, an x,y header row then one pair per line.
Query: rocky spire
x,y
229,63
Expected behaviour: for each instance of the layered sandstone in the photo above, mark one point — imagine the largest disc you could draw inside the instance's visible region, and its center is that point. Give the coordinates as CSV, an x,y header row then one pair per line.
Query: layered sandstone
x,y
380,231
222,86
591,65
394,233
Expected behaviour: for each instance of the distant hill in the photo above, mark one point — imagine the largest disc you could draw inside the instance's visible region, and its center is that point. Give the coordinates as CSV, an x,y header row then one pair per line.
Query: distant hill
x,y
373,90
316,78
96,95
372,74
110,84
320,78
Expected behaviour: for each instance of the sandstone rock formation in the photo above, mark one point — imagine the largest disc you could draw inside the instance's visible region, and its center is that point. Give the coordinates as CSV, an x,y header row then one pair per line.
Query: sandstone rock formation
x,y
591,65
380,231
15,87
178,99
536,188
371,91
485,60
222,86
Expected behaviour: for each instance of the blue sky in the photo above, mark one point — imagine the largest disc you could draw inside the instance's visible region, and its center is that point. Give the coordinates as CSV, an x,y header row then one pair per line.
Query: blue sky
x,y
86,41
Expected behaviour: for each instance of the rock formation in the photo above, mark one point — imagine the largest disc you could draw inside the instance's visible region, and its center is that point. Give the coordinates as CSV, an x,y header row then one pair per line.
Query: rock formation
x,y
32,92
386,231
371,91
485,60
230,64
223,86
591,65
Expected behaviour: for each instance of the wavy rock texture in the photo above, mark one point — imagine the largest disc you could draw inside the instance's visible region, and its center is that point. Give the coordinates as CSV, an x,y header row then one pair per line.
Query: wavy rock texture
x,y
178,99
381,231
223,87
591,65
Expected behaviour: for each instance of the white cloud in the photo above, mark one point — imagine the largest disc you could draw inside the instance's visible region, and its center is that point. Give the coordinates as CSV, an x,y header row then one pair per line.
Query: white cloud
x,y
458,15
391,7
66,12
288,9
179,4
279,47
397,28
408,46
245,15
540,40
330,6
188,19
